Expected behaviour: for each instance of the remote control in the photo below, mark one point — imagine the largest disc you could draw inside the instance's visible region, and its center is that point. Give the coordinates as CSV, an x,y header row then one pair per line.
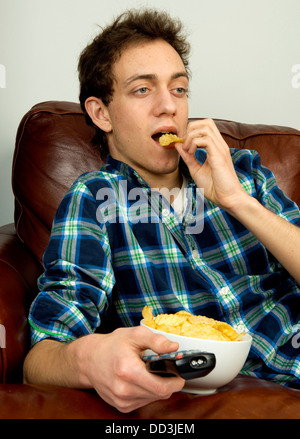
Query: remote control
x,y
187,364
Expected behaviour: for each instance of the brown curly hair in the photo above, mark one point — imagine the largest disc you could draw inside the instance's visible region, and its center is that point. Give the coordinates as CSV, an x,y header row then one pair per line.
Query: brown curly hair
x,y
97,59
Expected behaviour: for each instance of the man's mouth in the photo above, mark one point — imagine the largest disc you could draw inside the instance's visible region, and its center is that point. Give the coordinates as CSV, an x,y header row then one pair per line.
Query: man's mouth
x,y
156,136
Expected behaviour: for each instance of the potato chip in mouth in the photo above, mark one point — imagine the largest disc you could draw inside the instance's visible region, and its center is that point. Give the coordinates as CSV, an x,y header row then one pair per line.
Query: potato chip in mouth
x,y
168,138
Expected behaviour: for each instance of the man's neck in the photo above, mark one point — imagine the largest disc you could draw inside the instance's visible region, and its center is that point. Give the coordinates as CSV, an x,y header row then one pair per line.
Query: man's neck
x,y
168,181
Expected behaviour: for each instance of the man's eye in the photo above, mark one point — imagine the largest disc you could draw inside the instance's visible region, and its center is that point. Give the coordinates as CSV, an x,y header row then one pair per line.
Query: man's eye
x,y
180,90
142,90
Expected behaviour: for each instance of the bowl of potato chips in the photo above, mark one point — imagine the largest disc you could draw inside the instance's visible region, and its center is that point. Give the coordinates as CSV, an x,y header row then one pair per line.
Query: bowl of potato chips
x,y
191,332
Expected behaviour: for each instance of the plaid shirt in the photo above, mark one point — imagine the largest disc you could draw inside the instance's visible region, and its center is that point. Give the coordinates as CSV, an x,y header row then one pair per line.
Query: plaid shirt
x,y
116,246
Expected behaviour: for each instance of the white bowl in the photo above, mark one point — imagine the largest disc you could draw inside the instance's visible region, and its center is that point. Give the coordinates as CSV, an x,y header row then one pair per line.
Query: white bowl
x,y
230,358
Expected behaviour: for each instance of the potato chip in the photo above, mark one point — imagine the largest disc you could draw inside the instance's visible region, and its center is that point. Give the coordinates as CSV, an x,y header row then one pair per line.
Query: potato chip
x,y
227,330
170,320
189,325
184,313
168,138
148,317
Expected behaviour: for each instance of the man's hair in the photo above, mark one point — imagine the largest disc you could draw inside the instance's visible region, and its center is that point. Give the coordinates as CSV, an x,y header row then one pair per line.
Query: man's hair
x,y
97,59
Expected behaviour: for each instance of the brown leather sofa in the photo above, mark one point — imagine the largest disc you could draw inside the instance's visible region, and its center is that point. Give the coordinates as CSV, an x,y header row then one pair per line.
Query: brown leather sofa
x,y
52,148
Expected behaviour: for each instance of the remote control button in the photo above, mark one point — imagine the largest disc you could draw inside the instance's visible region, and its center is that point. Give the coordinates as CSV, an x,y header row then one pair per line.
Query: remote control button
x,y
197,363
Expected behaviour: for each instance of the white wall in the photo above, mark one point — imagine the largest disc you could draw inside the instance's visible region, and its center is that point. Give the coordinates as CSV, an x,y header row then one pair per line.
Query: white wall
x,y
242,60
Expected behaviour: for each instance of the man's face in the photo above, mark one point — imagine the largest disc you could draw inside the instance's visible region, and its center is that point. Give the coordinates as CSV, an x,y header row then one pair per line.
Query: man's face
x,y
150,97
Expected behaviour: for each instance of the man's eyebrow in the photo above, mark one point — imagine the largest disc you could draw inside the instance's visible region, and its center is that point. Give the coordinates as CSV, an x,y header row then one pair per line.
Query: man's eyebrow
x,y
133,78
179,75
153,77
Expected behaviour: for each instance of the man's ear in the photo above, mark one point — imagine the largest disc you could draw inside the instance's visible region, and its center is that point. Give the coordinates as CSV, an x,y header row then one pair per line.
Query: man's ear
x,y
99,113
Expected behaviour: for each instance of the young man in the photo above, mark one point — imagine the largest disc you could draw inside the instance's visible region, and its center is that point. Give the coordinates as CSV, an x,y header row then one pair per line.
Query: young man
x,y
112,252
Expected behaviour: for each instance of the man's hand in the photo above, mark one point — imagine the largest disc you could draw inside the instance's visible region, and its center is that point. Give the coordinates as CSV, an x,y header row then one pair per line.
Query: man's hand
x,y
217,175
115,369
110,363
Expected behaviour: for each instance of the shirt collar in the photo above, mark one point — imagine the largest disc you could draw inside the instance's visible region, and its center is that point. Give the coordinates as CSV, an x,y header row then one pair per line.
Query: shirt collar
x,y
113,165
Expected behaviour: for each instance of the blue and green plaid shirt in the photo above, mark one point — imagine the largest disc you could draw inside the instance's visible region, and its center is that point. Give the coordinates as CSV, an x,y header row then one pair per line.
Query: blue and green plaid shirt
x,y
117,245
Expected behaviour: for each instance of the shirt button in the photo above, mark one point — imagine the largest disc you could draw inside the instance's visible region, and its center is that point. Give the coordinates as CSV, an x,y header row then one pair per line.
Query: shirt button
x,y
165,212
195,254
224,291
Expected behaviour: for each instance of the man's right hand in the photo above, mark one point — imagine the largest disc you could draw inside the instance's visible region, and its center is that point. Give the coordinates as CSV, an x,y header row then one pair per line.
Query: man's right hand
x,y
110,363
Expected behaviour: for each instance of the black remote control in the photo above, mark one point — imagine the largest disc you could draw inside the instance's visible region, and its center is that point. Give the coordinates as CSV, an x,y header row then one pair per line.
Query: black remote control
x,y
187,364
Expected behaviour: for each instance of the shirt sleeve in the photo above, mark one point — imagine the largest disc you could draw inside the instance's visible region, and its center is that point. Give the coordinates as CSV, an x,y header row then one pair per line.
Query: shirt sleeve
x,y
76,286
261,183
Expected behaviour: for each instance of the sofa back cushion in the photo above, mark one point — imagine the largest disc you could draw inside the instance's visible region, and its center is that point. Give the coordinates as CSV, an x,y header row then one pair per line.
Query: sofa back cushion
x,y
53,147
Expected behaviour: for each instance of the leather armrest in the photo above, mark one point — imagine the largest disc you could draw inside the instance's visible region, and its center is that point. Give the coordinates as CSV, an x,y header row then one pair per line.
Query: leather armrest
x,y
18,272
243,398
28,401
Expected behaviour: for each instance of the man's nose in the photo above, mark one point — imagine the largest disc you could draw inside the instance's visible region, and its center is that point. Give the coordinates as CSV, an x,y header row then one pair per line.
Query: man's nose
x,y
164,103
